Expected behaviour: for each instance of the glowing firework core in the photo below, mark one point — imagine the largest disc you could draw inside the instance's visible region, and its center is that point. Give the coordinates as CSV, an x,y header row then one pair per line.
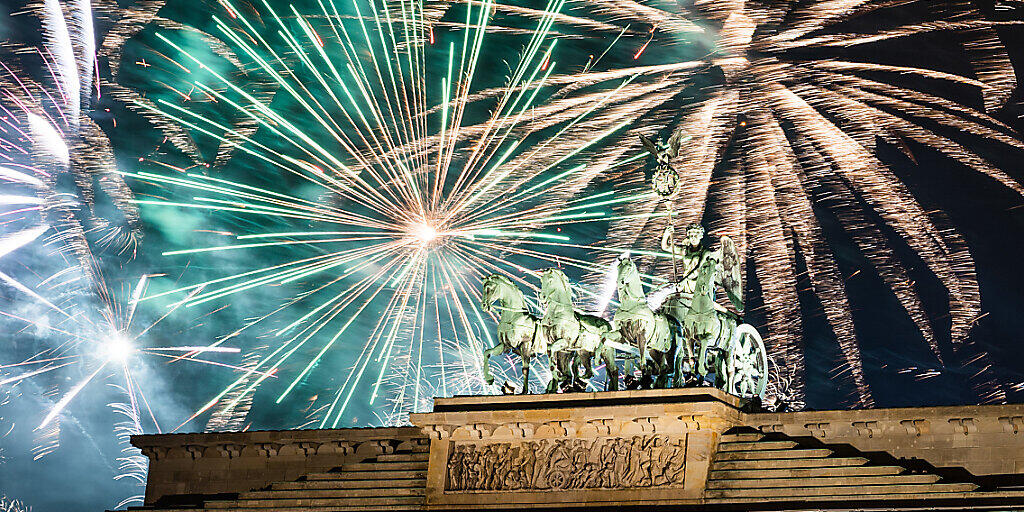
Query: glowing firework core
x,y
117,349
425,233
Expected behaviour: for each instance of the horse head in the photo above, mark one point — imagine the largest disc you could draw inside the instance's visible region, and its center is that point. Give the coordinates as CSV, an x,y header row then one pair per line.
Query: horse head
x,y
629,286
487,297
495,287
554,287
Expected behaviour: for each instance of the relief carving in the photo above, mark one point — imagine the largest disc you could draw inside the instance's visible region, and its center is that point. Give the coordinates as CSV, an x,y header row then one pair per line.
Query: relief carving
x,y
555,464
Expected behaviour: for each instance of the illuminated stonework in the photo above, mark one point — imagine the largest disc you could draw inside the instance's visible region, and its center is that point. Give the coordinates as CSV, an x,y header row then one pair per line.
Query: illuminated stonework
x,y
688,449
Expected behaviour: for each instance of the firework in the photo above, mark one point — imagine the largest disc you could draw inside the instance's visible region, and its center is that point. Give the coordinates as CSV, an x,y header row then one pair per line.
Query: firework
x,y
390,202
783,109
65,215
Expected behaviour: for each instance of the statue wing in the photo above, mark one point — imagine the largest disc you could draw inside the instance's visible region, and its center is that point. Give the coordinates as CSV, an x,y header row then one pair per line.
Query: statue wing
x,y
674,142
732,276
649,145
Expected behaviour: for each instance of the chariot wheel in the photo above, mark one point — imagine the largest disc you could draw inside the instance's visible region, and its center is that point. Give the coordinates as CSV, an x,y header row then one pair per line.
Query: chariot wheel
x,y
747,361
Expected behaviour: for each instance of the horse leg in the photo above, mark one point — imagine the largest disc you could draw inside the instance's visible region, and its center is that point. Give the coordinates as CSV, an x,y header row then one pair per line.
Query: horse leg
x,y
558,376
684,367
526,374
657,379
611,368
666,368
646,370
558,373
588,368
497,349
678,378
552,386
571,372
629,368
655,369
669,364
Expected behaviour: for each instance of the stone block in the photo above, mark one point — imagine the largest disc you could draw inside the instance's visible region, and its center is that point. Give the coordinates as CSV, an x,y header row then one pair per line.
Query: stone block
x,y
629,449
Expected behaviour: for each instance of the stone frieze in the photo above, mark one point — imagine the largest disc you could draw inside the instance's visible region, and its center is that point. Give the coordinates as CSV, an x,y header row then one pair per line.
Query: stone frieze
x,y
560,464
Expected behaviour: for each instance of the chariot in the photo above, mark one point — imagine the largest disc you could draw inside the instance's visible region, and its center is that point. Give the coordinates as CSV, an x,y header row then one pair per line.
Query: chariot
x,y
706,343
671,339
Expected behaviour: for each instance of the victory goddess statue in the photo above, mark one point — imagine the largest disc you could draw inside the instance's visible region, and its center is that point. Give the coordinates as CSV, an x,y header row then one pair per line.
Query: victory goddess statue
x,y
688,258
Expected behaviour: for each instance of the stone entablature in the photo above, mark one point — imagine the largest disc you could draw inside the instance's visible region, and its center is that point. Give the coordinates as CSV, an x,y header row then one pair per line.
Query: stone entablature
x,y
229,462
613,448
983,439
686,449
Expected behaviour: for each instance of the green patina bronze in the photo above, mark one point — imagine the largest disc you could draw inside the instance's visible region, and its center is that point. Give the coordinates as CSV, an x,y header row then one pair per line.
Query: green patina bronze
x,y
677,336
575,338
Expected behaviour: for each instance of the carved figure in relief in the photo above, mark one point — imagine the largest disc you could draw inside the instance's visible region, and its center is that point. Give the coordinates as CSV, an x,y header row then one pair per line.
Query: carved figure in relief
x,y
556,464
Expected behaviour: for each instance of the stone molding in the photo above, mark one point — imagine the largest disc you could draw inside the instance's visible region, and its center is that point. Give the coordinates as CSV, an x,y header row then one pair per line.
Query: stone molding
x,y
266,444
212,463
886,425
971,437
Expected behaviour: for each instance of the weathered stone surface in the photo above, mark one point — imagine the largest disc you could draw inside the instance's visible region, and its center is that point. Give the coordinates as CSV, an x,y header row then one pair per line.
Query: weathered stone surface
x,y
820,482
790,463
205,464
780,492
351,484
943,436
764,445
842,471
364,475
682,448
773,454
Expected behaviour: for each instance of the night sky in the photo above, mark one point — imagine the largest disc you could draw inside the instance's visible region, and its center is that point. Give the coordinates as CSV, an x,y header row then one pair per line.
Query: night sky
x,y
73,466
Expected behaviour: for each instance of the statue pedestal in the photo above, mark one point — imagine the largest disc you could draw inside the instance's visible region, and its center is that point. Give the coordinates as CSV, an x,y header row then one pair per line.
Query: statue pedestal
x,y
574,449
672,448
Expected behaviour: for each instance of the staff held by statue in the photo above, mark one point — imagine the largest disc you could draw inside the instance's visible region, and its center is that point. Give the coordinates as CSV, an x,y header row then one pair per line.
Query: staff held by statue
x,y
664,182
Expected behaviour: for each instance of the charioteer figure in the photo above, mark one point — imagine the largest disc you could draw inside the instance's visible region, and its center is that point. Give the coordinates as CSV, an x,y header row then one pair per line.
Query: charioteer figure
x,y
689,257
715,342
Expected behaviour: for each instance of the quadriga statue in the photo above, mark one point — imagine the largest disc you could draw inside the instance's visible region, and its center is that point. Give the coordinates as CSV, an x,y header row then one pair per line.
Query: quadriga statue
x,y
679,335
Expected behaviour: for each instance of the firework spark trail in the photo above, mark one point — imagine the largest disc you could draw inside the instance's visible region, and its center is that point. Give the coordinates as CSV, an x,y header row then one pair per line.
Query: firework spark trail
x,y
13,505
101,344
107,340
406,217
48,134
55,237
805,120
